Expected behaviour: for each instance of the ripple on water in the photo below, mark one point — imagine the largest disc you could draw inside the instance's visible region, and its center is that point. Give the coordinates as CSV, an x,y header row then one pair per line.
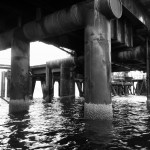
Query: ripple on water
x,y
61,126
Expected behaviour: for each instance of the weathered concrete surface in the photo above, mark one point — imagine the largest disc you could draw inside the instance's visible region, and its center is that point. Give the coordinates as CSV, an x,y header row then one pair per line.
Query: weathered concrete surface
x,y
137,11
3,84
19,89
131,54
67,83
148,72
48,88
57,23
97,66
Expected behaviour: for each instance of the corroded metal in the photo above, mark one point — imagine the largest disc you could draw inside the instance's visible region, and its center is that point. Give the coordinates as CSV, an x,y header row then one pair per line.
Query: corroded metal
x,y
5,39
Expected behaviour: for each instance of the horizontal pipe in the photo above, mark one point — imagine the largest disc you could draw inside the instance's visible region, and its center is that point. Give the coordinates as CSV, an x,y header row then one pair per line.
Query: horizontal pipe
x,y
55,24
70,61
135,54
56,63
5,39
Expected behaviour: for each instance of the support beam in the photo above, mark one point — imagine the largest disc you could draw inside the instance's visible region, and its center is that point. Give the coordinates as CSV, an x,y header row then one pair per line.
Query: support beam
x,y
131,54
32,81
79,85
43,85
19,92
67,83
58,23
148,72
5,39
48,89
97,66
72,82
3,84
8,83
137,11
61,22
67,65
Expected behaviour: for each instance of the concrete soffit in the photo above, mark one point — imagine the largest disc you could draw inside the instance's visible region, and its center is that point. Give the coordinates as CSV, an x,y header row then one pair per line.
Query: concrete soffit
x,y
34,30
137,11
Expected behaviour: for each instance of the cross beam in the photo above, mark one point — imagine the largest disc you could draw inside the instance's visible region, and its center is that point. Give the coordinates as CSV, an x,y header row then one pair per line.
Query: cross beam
x,y
137,11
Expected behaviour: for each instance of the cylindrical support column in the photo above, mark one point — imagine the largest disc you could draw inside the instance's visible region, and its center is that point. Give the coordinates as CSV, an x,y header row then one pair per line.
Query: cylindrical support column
x,y
48,89
32,81
59,87
8,83
97,66
3,84
67,83
148,72
43,85
19,90
72,82
80,87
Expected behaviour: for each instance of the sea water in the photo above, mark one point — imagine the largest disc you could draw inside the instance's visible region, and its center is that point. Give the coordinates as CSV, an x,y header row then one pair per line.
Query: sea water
x,y
61,126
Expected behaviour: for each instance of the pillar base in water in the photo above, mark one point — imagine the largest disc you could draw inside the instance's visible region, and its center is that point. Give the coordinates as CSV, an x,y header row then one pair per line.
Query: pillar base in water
x,y
68,98
98,111
148,104
18,106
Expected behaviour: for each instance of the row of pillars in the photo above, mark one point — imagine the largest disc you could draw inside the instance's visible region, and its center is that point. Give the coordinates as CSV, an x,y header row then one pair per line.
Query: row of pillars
x,y
66,82
97,76
66,77
5,86
95,19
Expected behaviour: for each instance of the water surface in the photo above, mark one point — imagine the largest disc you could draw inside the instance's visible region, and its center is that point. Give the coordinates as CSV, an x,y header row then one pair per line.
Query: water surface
x,y
61,126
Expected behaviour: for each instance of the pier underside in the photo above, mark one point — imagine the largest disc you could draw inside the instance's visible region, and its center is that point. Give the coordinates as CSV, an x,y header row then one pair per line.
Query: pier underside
x,y
104,36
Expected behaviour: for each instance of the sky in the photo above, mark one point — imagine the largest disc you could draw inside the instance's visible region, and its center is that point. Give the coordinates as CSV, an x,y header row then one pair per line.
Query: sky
x,y
39,54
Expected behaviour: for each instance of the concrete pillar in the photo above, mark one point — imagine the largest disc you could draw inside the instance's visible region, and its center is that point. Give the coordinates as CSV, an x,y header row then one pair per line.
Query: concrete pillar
x,y
97,66
59,87
44,91
67,83
72,82
8,83
48,90
32,81
80,87
19,90
148,72
3,84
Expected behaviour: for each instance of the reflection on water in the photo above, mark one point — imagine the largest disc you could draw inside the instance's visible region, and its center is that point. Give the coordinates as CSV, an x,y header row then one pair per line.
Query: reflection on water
x,y
61,126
